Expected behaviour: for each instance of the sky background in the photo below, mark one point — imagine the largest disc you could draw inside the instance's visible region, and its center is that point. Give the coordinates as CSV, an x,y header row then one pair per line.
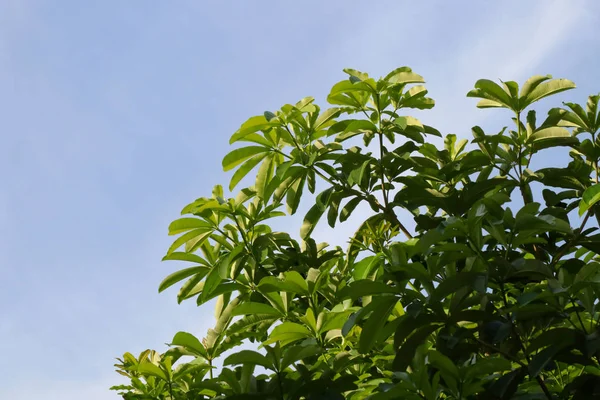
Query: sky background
x,y
116,114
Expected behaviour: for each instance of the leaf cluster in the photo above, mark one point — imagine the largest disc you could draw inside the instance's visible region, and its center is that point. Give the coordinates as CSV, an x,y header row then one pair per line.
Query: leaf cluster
x,y
488,290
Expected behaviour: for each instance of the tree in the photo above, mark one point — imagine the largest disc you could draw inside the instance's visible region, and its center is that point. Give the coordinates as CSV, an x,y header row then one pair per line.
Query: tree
x,y
491,293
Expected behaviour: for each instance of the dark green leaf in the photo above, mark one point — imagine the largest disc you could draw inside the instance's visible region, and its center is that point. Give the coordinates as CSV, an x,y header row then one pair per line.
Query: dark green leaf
x,y
406,352
454,283
374,325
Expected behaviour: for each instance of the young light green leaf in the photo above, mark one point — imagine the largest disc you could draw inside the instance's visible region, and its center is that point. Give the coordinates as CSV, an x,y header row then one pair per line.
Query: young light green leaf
x,y
531,83
180,275
153,370
198,235
551,137
314,214
245,168
287,333
493,95
263,177
181,256
590,197
253,125
545,89
238,156
186,224
248,357
189,342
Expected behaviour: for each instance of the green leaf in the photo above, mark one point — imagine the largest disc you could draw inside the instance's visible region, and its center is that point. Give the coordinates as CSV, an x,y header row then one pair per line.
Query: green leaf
x,y
453,283
263,178
366,287
213,279
348,93
181,256
189,342
250,322
333,321
592,110
354,128
326,118
314,214
406,352
297,353
475,191
492,94
403,76
551,137
505,386
532,83
221,288
197,235
286,333
253,308
558,337
349,208
294,193
292,283
409,323
238,156
545,89
186,224
253,125
191,287
590,197
375,323
180,275
269,115
364,267
248,357
245,168
540,360
443,363
486,366
153,370
589,273
447,368
407,122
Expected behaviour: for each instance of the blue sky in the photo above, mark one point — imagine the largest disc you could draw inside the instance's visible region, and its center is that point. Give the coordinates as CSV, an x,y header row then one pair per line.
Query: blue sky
x,y
115,114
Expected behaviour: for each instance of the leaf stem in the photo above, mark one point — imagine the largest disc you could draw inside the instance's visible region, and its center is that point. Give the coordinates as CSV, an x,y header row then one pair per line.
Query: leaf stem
x,y
567,246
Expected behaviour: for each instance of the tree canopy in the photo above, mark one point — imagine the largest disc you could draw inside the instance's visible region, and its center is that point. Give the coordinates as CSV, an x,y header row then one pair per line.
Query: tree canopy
x,y
474,276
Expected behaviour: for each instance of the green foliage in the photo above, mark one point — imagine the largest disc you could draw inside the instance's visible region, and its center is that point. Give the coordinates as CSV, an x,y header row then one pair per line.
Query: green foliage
x,y
492,292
